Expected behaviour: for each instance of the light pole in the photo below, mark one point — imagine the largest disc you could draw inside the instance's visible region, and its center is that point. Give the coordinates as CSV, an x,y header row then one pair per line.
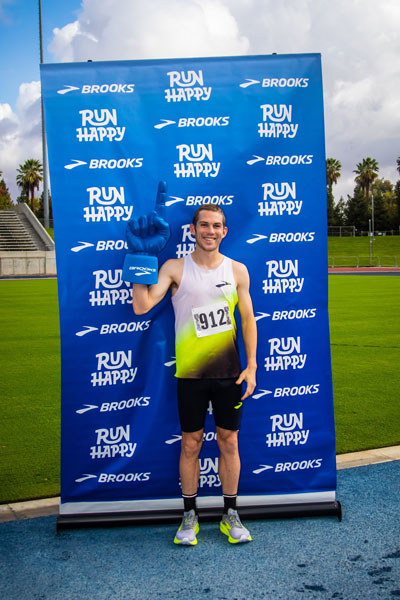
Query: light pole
x,y
373,225
370,242
44,144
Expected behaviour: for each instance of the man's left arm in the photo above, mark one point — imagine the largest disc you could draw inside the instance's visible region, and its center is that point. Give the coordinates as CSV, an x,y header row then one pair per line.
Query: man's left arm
x,y
249,328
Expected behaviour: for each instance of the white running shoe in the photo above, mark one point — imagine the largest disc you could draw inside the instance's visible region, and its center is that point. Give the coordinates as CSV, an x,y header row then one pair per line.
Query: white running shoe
x,y
188,529
233,528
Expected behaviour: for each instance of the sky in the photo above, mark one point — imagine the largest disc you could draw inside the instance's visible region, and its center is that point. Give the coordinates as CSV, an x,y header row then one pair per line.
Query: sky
x,y
358,39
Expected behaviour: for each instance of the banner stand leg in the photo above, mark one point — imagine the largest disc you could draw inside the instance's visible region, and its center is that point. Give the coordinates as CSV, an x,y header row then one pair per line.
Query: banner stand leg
x,y
123,519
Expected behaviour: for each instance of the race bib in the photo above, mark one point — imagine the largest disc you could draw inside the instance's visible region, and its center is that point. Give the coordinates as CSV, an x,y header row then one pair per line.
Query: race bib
x,y
212,319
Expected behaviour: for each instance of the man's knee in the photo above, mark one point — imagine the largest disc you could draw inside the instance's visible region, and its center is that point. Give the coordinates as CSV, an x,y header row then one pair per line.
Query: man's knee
x,y
227,441
191,443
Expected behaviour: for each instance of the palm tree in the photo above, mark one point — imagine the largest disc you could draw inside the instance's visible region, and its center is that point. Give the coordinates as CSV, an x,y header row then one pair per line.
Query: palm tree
x,y
333,168
367,172
29,176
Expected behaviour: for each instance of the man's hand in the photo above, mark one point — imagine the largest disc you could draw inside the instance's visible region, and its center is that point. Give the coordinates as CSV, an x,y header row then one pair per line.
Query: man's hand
x,y
249,376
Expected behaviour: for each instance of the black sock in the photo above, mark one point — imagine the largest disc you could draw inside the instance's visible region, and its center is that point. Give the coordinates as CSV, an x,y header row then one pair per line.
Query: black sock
x,y
229,502
189,503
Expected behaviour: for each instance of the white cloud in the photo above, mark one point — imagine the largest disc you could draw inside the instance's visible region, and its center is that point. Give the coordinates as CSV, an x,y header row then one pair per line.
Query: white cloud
x,y
358,41
20,133
8,121
114,30
360,46
61,45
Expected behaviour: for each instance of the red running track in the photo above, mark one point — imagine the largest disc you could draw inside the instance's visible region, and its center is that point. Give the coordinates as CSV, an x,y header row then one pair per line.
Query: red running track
x,y
364,270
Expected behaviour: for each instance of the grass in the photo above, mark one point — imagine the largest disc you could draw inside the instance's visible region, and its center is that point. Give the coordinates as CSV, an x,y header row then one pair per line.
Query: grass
x,y
345,249
365,337
359,246
365,346
29,390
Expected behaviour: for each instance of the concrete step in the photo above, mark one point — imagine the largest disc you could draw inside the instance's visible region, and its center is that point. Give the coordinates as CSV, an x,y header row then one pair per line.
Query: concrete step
x,y
16,233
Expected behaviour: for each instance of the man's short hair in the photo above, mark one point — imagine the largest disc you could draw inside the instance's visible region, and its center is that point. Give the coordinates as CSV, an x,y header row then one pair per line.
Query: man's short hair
x,y
211,208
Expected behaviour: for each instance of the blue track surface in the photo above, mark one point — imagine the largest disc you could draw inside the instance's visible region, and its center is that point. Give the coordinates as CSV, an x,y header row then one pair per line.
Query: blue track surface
x,y
289,559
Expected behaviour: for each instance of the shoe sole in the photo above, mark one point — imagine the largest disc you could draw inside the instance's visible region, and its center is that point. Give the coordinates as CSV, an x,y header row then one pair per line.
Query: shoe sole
x,y
224,529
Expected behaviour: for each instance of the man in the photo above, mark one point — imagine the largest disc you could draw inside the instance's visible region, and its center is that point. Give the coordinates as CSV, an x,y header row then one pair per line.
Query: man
x,y
205,287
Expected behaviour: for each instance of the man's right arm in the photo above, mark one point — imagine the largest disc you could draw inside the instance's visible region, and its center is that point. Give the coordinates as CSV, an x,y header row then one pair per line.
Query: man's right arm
x,y
144,297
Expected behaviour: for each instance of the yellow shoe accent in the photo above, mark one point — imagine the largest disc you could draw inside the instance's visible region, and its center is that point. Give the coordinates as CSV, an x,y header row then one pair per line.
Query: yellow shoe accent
x,y
186,541
226,528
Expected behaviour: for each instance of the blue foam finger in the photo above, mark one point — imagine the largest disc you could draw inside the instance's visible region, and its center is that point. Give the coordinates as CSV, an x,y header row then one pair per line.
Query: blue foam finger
x,y
143,226
161,199
151,226
133,226
133,240
146,236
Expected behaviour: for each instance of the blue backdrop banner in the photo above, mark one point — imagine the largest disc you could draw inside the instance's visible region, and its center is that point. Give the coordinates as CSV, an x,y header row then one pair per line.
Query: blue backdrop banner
x,y
246,133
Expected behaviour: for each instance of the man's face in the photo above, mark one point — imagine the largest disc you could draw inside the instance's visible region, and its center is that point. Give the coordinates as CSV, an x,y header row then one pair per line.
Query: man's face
x,y
209,230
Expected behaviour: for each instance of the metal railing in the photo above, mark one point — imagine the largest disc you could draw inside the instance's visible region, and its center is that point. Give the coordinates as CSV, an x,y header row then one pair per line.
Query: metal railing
x,y
341,231
363,261
351,231
379,233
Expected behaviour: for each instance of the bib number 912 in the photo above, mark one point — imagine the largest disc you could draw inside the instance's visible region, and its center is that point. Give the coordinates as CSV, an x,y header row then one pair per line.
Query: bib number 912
x,y
212,319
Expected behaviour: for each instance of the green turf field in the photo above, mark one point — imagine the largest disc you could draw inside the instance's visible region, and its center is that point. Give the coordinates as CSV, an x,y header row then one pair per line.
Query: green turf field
x,y
365,346
365,336
345,250
29,390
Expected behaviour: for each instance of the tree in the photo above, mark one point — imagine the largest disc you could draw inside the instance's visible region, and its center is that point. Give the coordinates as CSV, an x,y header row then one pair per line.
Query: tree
x,y
339,212
29,175
330,207
356,211
5,198
396,222
385,208
367,172
23,197
40,210
333,168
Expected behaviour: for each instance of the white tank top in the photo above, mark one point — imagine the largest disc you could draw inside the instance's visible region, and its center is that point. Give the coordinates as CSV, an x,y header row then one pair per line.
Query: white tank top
x,y
205,328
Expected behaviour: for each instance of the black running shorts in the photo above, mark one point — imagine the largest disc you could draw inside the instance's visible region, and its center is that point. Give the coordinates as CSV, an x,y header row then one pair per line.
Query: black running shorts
x,y
194,396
